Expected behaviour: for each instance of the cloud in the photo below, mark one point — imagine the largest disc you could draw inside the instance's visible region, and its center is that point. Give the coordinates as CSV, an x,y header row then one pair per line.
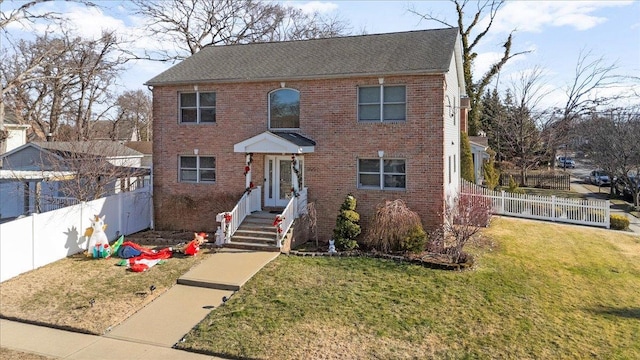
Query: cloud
x,y
535,16
317,6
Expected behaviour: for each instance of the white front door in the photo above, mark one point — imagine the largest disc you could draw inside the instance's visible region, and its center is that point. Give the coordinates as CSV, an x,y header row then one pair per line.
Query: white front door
x,y
277,187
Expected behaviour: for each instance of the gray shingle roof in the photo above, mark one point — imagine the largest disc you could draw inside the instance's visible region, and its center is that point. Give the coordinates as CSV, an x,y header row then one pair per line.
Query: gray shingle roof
x,y
413,52
92,147
295,138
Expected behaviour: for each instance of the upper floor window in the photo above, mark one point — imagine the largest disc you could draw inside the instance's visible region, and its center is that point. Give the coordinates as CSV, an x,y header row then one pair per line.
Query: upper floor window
x,y
382,174
382,103
284,109
197,169
198,107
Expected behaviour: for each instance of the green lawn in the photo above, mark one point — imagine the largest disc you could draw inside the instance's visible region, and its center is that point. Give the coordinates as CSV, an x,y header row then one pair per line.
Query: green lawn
x,y
539,290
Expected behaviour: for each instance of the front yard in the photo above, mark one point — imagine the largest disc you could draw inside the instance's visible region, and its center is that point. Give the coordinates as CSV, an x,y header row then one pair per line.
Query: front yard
x,y
538,290
87,295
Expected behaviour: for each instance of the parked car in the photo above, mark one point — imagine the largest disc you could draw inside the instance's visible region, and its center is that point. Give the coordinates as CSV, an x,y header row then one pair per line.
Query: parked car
x,y
599,177
566,162
625,189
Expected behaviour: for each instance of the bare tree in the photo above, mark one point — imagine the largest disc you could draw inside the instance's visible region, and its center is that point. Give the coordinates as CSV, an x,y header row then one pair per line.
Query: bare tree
x,y
24,15
611,141
475,90
71,81
592,74
519,129
96,64
40,99
134,108
464,216
188,26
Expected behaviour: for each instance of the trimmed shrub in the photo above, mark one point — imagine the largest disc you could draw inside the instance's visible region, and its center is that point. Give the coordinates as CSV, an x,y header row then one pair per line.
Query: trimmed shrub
x,y
347,228
619,222
396,228
491,174
414,241
513,186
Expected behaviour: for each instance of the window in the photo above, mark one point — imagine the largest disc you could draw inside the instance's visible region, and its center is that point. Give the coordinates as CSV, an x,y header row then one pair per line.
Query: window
x,y
382,174
391,108
455,164
284,109
198,107
197,169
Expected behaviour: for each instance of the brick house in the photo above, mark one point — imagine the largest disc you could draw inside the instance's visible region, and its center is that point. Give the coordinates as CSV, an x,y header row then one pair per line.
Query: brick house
x,y
376,116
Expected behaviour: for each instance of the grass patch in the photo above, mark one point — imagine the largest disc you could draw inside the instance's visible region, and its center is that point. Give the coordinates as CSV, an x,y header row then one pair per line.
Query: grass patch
x,y
59,294
557,292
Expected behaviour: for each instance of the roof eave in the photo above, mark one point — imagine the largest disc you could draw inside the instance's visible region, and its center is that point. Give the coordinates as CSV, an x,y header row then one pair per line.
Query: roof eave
x,y
293,78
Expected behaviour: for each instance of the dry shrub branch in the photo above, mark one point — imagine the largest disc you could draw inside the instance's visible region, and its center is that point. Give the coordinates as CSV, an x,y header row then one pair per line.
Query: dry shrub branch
x,y
395,227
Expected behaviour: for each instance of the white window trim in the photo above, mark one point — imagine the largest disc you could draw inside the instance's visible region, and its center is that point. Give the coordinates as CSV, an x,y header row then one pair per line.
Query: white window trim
x,y
381,174
269,109
198,169
381,104
197,107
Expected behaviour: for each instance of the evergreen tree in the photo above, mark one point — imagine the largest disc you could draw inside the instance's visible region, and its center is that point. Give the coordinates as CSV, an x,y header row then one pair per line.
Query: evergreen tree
x,y
347,228
466,160
493,115
491,174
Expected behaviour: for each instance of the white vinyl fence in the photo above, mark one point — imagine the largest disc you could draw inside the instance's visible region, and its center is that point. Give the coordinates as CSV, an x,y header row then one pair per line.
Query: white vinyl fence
x,y
575,211
40,239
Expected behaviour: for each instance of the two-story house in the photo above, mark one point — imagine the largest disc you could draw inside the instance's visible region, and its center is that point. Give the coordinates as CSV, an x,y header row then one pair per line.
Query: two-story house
x,y
375,116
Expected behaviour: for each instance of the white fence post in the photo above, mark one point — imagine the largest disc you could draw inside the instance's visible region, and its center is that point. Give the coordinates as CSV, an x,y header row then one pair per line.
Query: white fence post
x,y
33,240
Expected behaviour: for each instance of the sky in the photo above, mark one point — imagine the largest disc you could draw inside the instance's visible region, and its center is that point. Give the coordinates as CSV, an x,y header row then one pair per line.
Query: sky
x,y
553,33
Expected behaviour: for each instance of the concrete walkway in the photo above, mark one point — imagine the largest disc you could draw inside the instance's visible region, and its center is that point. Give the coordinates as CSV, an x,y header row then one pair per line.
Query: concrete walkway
x,y
634,222
151,332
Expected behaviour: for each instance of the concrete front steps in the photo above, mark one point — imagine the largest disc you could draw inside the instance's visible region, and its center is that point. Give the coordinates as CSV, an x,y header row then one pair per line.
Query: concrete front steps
x,y
256,233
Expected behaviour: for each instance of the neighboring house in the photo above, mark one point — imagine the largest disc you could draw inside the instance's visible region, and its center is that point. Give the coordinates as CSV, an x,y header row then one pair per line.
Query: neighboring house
x,y
33,174
145,148
44,155
16,132
479,148
376,116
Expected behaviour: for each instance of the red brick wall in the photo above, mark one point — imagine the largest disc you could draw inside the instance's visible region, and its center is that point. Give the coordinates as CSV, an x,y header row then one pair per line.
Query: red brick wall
x,y
328,115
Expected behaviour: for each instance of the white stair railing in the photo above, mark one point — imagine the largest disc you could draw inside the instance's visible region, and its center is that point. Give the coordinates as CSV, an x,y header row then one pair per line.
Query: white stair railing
x,y
284,221
231,220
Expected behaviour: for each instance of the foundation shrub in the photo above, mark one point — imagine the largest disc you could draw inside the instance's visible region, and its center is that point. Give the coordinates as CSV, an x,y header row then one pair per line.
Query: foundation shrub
x,y
347,227
395,228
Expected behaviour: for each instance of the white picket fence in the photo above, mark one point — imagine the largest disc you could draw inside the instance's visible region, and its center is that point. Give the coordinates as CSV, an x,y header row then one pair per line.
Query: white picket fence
x,y
39,239
591,212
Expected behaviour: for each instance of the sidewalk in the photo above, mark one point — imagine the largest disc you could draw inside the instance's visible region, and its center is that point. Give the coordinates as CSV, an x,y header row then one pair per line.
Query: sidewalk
x,y
151,332
634,222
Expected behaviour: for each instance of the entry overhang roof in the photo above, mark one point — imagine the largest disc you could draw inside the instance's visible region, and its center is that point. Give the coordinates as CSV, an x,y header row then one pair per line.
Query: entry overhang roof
x,y
276,142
